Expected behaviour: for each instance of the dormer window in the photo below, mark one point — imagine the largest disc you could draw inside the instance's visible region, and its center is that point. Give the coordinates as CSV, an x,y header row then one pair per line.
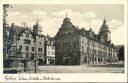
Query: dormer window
x,y
82,40
27,35
91,34
102,39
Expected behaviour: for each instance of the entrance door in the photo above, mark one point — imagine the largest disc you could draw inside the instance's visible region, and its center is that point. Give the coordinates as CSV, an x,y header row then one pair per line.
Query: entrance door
x,y
85,60
66,61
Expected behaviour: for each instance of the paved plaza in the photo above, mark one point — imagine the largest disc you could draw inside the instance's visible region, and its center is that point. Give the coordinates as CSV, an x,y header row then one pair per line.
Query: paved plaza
x,y
77,69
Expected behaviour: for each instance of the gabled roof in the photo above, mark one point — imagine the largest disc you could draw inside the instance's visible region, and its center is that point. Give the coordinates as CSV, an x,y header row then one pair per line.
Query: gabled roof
x,y
23,30
50,40
18,28
87,33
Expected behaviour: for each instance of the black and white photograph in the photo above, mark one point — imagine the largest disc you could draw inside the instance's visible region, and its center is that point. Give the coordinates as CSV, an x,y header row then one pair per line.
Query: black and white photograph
x,y
63,39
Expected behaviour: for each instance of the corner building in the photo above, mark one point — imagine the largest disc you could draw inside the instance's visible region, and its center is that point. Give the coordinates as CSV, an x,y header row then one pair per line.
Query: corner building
x,y
74,46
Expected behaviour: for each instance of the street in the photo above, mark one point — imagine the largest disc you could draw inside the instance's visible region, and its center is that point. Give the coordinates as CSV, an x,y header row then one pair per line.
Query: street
x,y
77,69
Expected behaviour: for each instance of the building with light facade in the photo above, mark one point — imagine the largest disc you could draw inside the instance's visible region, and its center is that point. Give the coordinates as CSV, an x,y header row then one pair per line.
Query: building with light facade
x,y
50,50
30,42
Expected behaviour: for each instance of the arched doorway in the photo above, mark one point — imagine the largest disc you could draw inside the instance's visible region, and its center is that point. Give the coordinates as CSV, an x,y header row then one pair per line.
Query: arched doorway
x,y
66,60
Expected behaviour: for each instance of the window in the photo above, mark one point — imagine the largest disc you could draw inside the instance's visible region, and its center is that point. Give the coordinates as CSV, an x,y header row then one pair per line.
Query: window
x,y
75,60
82,40
33,49
32,56
48,47
52,47
48,52
98,59
101,59
90,59
27,35
20,48
94,51
98,52
53,53
31,36
38,49
99,45
109,49
82,48
40,43
90,51
89,42
105,53
95,58
51,43
21,35
27,48
26,41
109,55
27,55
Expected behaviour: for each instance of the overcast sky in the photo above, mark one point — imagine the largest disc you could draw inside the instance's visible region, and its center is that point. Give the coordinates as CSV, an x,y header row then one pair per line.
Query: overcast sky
x,y
84,16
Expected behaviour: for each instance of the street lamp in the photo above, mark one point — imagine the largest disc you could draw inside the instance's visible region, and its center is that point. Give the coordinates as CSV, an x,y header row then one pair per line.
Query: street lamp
x,y
34,35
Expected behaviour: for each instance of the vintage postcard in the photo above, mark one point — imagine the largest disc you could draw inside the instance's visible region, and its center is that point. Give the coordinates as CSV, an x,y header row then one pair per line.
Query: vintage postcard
x,y
63,41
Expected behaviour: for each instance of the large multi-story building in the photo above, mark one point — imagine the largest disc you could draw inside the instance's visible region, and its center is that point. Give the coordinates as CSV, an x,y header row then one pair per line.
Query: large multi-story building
x,y
32,42
74,46
29,42
39,43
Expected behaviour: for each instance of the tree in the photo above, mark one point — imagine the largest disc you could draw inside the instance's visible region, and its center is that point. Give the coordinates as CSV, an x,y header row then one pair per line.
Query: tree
x,y
5,6
121,54
5,27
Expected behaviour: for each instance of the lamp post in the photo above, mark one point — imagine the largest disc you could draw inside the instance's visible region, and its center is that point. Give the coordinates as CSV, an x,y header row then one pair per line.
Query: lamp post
x,y
35,57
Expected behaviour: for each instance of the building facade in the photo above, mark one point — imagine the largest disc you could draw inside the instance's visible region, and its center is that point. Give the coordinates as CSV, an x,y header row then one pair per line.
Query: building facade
x,y
39,43
32,43
74,46
11,51
27,44
50,50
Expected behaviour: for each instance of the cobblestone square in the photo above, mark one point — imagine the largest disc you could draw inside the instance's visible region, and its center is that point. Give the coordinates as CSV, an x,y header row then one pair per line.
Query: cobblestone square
x,y
77,69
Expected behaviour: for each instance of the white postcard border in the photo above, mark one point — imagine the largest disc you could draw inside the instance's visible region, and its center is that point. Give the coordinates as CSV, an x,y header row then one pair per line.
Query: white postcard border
x,y
74,77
